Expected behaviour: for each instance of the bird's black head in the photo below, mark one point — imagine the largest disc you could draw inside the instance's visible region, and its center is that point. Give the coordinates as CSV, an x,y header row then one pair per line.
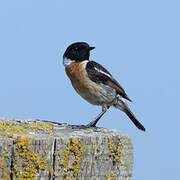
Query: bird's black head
x,y
78,51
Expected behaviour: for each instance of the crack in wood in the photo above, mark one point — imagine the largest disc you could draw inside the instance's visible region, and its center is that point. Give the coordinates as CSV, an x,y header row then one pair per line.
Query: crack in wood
x,y
54,158
12,162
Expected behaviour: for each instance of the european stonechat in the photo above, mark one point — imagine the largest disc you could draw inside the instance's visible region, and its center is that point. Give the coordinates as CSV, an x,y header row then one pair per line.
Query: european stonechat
x,y
94,83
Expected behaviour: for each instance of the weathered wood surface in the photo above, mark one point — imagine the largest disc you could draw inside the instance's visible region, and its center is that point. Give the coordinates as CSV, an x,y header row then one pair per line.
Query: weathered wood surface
x,y
31,149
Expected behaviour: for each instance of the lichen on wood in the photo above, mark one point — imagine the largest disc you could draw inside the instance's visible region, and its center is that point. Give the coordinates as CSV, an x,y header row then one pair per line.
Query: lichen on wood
x,y
116,149
42,150
30,164
75,149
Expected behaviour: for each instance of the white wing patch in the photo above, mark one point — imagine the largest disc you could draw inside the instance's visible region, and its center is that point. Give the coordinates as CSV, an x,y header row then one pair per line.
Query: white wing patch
x,y
99,70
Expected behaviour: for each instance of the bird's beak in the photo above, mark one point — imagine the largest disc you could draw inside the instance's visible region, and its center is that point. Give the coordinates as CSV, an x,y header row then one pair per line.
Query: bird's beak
x,y
91,48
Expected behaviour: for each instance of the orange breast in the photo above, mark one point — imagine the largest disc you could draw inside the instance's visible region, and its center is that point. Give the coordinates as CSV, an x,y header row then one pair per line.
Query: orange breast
x,y
92,92
77,74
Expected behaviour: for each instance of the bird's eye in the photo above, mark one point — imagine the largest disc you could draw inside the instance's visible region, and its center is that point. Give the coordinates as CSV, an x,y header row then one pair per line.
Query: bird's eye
x,y
76,49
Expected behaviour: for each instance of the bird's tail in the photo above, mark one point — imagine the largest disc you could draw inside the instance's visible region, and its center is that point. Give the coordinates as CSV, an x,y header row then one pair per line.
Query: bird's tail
x,y
124,107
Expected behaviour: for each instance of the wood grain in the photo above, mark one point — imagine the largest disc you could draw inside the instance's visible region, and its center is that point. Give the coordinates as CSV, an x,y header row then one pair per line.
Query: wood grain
x,y
35,150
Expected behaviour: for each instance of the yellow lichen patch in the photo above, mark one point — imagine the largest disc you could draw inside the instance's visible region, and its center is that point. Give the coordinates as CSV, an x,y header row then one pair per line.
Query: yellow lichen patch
x,y
3,166
6,134
26,162
115,149
110,177
44,126
73,149
11,128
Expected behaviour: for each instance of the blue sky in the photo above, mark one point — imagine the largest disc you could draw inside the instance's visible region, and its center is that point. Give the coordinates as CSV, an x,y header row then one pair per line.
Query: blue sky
x,y
138,41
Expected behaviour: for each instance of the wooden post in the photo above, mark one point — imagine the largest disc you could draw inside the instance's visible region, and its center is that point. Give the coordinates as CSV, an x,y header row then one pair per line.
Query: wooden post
x,y
33,149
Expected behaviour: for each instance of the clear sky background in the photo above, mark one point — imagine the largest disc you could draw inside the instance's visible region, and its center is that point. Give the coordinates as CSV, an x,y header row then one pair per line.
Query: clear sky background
x,y
138,41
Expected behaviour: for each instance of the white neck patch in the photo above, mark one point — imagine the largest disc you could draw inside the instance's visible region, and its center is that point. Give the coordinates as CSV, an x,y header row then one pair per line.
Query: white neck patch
x,y
67,61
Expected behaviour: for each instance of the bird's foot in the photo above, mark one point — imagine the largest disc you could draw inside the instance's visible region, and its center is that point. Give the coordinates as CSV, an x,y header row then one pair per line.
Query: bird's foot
x,y
78,126
81,126
53,122
92,124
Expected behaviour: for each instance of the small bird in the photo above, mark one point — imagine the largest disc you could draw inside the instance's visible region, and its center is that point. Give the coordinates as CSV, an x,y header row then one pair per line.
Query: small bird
x,y
94,83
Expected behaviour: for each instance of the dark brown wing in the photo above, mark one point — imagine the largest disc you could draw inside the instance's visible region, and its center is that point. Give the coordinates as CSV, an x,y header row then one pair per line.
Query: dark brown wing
x,y
99,74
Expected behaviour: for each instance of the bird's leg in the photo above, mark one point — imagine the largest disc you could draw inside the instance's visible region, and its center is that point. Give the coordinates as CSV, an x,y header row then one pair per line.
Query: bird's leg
x,y
98,117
